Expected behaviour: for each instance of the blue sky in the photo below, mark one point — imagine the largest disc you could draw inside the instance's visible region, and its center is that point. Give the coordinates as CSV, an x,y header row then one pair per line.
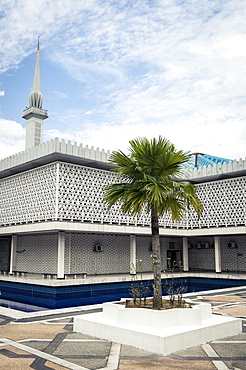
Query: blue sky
x,y
115,70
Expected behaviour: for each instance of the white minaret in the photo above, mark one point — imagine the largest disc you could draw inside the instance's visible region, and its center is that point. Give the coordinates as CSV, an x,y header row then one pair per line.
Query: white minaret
x,y
35,115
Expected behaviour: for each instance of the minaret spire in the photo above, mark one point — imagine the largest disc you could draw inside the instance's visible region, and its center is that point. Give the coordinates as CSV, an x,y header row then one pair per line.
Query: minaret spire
x,y
36,98
35,115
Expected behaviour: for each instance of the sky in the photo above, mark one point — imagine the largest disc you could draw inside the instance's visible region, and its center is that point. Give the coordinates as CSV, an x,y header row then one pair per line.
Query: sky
x,y
115,70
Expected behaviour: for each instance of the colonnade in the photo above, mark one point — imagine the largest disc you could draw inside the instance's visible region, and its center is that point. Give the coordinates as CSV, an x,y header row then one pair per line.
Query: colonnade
x,y
133,253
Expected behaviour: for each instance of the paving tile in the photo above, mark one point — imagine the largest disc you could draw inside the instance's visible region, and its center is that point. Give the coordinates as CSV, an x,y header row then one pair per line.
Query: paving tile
x,y
10,363
94,353
54,366
81,336
233,311
90,363
228,299
165,364
27,331
40,345
235,365
239,337
83,349
192,352
128,351
230,350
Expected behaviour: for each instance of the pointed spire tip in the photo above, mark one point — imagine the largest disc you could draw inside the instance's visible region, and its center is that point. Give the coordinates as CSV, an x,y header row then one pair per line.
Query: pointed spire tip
x,y
38,48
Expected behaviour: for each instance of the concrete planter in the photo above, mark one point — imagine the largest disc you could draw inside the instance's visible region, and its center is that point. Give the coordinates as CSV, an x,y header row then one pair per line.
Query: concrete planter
x,y
159,319
164,331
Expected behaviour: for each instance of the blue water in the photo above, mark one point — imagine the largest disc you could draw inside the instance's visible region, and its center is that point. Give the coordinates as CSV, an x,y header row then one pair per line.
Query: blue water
x,y
78,295
20,306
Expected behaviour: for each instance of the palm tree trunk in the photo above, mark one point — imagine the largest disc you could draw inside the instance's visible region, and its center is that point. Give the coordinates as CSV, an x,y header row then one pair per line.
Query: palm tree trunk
x,y
157,298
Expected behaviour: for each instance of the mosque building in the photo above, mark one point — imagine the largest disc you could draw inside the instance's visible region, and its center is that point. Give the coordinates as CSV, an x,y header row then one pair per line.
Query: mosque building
x,y
53,222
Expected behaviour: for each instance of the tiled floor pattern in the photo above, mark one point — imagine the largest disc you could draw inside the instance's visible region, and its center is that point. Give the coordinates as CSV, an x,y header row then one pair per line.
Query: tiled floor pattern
x,y
47,342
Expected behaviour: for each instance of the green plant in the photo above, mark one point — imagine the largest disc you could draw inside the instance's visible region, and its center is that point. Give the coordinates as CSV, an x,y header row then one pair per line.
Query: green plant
x,y
138,290
134,292
144,292
175,293
180,291
134,288
150,180
143,289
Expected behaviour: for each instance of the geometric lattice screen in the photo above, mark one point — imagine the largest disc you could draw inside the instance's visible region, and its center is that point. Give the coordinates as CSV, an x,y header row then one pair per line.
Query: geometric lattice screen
x,y
37,253
224,203
80,257
75,193
28,196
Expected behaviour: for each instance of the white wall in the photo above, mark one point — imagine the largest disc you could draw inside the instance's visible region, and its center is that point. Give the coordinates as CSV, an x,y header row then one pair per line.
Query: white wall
x,y
37,253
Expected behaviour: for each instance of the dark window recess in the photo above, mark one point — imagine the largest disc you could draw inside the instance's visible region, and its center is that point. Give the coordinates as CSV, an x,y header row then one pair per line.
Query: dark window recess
x,y
5,245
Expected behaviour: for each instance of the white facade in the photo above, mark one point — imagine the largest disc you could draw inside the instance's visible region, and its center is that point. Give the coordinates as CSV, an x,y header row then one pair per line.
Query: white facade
x,y
60,190
51,201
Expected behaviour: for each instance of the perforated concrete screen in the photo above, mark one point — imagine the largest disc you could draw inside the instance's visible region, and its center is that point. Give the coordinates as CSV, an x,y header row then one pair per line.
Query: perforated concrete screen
x,y
224,203
80,256
28,196
37,253
62,191
81,198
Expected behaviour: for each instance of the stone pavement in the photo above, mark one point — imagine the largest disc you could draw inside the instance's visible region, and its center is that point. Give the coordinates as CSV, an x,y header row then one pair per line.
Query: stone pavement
x,y
45,341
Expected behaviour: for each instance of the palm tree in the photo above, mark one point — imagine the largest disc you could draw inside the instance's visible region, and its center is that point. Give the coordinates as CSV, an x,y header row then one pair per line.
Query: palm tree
x,y
150,181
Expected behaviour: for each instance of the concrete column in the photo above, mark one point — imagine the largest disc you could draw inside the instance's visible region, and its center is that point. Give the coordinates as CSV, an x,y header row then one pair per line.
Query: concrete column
x,y
217,254
57,190
69,252
133,250
164,257
185,254
12,266
61,255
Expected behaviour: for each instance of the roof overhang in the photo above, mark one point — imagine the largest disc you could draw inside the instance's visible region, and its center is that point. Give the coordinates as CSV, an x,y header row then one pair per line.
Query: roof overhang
x,y
54,157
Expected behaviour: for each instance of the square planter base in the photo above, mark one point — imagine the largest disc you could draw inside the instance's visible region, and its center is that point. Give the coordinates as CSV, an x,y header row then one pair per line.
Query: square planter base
x,y
161,332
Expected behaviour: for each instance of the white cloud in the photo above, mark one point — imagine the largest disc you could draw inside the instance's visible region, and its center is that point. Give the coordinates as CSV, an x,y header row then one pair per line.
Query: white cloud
x,y
2,93
163,67
12,136
24,20
221,140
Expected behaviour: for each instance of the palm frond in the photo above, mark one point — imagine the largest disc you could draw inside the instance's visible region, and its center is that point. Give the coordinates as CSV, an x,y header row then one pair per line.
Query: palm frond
x,y
148,177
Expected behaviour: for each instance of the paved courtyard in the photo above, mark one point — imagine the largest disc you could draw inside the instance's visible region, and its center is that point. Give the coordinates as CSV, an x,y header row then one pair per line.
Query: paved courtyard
x,y
45,341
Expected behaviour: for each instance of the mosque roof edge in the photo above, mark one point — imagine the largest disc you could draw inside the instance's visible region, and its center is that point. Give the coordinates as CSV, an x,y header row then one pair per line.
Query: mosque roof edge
x,y
54,150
